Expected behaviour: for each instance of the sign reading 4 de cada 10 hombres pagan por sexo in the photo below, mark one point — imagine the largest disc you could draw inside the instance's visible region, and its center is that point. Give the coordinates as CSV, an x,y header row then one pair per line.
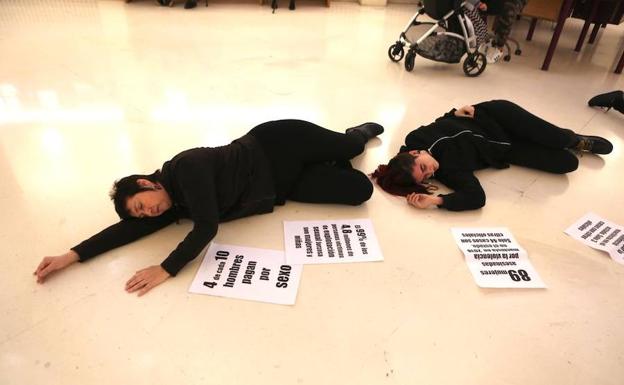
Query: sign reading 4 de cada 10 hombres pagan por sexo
x,y
247,273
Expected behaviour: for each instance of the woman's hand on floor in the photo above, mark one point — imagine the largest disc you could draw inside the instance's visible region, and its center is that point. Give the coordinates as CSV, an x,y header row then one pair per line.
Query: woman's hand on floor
x,y
49,265
423,201
146,279
465,112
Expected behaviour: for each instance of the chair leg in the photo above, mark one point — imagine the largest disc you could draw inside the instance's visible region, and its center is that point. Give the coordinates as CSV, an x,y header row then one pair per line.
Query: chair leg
x,y
588,21
531,29
620,66
566,10
594,33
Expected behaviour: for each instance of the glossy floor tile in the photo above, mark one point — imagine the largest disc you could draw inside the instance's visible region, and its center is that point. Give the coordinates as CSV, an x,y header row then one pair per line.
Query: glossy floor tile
x,y
92,91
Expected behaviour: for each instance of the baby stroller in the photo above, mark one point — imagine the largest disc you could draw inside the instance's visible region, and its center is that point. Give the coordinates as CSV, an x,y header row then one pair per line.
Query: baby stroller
x,y
452,35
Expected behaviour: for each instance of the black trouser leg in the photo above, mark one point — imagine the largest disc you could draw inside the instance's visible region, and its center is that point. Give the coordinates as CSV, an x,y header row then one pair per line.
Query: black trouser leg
x,y
293,145
558,161
522,125
320,183
306,142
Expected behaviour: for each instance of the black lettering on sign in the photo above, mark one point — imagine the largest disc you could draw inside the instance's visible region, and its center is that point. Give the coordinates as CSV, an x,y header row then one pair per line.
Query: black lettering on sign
x,y
210,284
250,270
284,275
264,274
222,255
520,275
233,273
217,276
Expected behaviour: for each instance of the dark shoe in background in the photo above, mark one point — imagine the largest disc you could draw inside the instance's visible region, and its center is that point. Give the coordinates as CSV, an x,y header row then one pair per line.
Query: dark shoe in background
x,y
190,4
367,130
609,100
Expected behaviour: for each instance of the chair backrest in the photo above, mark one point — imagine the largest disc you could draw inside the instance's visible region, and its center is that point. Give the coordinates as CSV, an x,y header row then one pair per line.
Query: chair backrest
x,y
436,9
543,9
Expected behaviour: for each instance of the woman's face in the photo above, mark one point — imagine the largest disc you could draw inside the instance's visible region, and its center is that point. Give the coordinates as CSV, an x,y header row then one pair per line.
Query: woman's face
x,y
424,165
149,203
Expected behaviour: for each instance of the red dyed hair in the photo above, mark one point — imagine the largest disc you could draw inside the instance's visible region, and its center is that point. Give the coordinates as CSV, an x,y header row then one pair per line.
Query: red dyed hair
x,y
396,177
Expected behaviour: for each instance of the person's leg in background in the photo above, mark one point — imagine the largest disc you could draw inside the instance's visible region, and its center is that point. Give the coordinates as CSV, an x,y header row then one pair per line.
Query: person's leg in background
x,y
522,125
506,17
293,146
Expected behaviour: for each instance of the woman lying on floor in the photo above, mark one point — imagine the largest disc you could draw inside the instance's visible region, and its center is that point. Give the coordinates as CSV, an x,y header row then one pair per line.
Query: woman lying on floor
x,y
276,161
490,134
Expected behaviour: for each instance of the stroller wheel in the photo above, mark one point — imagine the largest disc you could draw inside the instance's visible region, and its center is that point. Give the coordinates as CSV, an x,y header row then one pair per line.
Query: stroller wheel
x,y
507,58
409,60
396,52
474,64
518,52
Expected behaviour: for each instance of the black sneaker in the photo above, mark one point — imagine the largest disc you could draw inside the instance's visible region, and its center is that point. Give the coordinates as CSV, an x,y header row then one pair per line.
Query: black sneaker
x,y
593,144
609,100
190,4
367,130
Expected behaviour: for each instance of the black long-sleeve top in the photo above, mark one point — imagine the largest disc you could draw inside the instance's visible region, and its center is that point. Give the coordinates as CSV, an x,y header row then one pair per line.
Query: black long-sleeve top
x,y
462,145
207,185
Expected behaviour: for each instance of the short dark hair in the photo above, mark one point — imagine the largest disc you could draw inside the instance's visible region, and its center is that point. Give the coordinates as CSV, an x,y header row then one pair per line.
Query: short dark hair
x,y
126,187
396,177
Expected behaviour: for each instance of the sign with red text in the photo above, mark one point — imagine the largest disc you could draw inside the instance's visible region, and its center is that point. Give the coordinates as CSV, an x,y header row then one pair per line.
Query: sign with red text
x,y
247,273
495,259
601,234
333,241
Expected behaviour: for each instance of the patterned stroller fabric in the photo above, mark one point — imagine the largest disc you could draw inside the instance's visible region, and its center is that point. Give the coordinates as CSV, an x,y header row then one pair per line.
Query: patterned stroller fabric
x,y
450,49
479,24
442,48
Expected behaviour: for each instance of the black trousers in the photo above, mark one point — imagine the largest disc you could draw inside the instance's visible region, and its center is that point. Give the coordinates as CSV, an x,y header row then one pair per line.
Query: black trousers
x,y
535,143
311,164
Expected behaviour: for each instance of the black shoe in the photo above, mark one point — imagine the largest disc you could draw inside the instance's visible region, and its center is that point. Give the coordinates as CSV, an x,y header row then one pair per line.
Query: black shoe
x,y
190,4
367,130
593,144
609,100
163,2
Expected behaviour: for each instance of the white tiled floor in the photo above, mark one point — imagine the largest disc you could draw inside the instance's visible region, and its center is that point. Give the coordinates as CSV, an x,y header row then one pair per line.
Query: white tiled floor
x,y
91,91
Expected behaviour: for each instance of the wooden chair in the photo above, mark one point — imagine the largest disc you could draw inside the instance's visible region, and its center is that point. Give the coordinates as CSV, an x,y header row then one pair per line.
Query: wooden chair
x,y
553,10
599,12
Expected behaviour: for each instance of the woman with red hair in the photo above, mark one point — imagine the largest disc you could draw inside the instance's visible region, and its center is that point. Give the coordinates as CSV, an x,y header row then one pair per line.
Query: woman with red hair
x,y
490,134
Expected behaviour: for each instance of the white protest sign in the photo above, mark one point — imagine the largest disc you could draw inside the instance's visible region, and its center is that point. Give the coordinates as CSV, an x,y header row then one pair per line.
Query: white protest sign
x,y
247,273
600,234
333,241
495,259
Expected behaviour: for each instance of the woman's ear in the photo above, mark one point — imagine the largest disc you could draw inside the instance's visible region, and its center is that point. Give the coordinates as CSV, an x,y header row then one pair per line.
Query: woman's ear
x,y
414,153
145,183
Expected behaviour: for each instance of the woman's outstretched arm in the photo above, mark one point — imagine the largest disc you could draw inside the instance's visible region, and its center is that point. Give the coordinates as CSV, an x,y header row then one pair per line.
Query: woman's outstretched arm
x,y
116,235
50,264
